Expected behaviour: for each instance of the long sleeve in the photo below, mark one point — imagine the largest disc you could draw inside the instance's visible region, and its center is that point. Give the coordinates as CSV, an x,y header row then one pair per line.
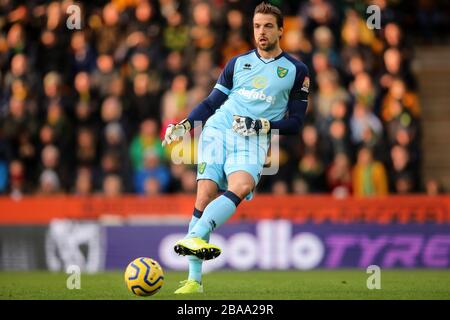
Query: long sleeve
x,y
297,104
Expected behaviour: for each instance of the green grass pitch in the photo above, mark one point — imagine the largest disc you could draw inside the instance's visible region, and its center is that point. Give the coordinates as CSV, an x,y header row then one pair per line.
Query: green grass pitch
x,y
232,285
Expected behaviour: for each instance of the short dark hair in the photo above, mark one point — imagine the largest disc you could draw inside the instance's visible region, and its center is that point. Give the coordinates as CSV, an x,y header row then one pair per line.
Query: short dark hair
x,y
267,8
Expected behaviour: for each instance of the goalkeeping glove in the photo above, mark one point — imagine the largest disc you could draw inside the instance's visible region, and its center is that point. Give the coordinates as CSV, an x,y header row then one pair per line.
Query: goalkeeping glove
x,y
175,131
246,126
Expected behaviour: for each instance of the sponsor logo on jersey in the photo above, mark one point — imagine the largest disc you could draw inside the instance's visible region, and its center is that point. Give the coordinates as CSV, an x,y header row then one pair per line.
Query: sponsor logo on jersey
x,y
254,94
305,85
259,82
247,66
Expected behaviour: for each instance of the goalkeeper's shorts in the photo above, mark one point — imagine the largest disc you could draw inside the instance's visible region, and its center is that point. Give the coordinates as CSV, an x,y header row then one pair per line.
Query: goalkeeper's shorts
x,y
222,152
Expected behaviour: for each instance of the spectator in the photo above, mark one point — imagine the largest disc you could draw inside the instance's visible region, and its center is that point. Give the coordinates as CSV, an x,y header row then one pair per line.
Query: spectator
x,y
46,136
375,142
324,42
114,142
86,150
112,185
174,101
318,13
112,112
17,181
280,188
18,120
312,172
176,33
20,129
84,92
83,182
16,40
405,138
400,118
60,124
300,186
50,158
203,70
144,102
402,174
357,40
110,165
329,92
20,70
361,121
109,33
338,140
235,23
395,67
320,63
83,56
175,65
52,92
151,169
234,45
152,186
393,37
399,94
147,21
369,175
49,183
202,32
310,141
104,74
86,116
363,91
51,52
354,66
146,140
433,187
339,176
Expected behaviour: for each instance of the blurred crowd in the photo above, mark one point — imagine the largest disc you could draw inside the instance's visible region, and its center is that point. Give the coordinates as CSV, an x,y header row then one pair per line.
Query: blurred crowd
x,y
83,111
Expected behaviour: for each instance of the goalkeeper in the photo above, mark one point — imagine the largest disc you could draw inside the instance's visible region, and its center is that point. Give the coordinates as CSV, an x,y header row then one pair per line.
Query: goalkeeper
x,y
259,91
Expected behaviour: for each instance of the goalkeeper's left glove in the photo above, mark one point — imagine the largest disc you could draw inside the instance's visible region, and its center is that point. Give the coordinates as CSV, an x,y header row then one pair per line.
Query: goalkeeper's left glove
x,y
176,131
246,126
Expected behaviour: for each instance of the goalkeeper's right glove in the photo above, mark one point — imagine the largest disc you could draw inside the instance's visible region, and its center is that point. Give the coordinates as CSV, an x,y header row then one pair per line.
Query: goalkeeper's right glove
x,y
246,126
176,131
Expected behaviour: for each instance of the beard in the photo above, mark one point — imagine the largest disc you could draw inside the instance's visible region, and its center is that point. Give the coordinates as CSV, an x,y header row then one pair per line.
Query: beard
x,y
269,46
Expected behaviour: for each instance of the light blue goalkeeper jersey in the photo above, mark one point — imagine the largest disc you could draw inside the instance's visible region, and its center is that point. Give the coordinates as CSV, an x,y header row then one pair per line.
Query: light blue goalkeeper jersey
x,y
259,88
256,88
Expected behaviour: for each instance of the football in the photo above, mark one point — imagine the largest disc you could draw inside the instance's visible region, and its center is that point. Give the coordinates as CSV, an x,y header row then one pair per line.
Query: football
x,y
144,276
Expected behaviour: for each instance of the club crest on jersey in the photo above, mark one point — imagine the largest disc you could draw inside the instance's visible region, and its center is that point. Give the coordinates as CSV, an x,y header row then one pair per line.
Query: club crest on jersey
x,y
282,72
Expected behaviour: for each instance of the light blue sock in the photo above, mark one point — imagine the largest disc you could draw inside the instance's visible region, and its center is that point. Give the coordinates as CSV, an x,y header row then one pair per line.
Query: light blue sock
x,y
216,213
195,264
195,267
